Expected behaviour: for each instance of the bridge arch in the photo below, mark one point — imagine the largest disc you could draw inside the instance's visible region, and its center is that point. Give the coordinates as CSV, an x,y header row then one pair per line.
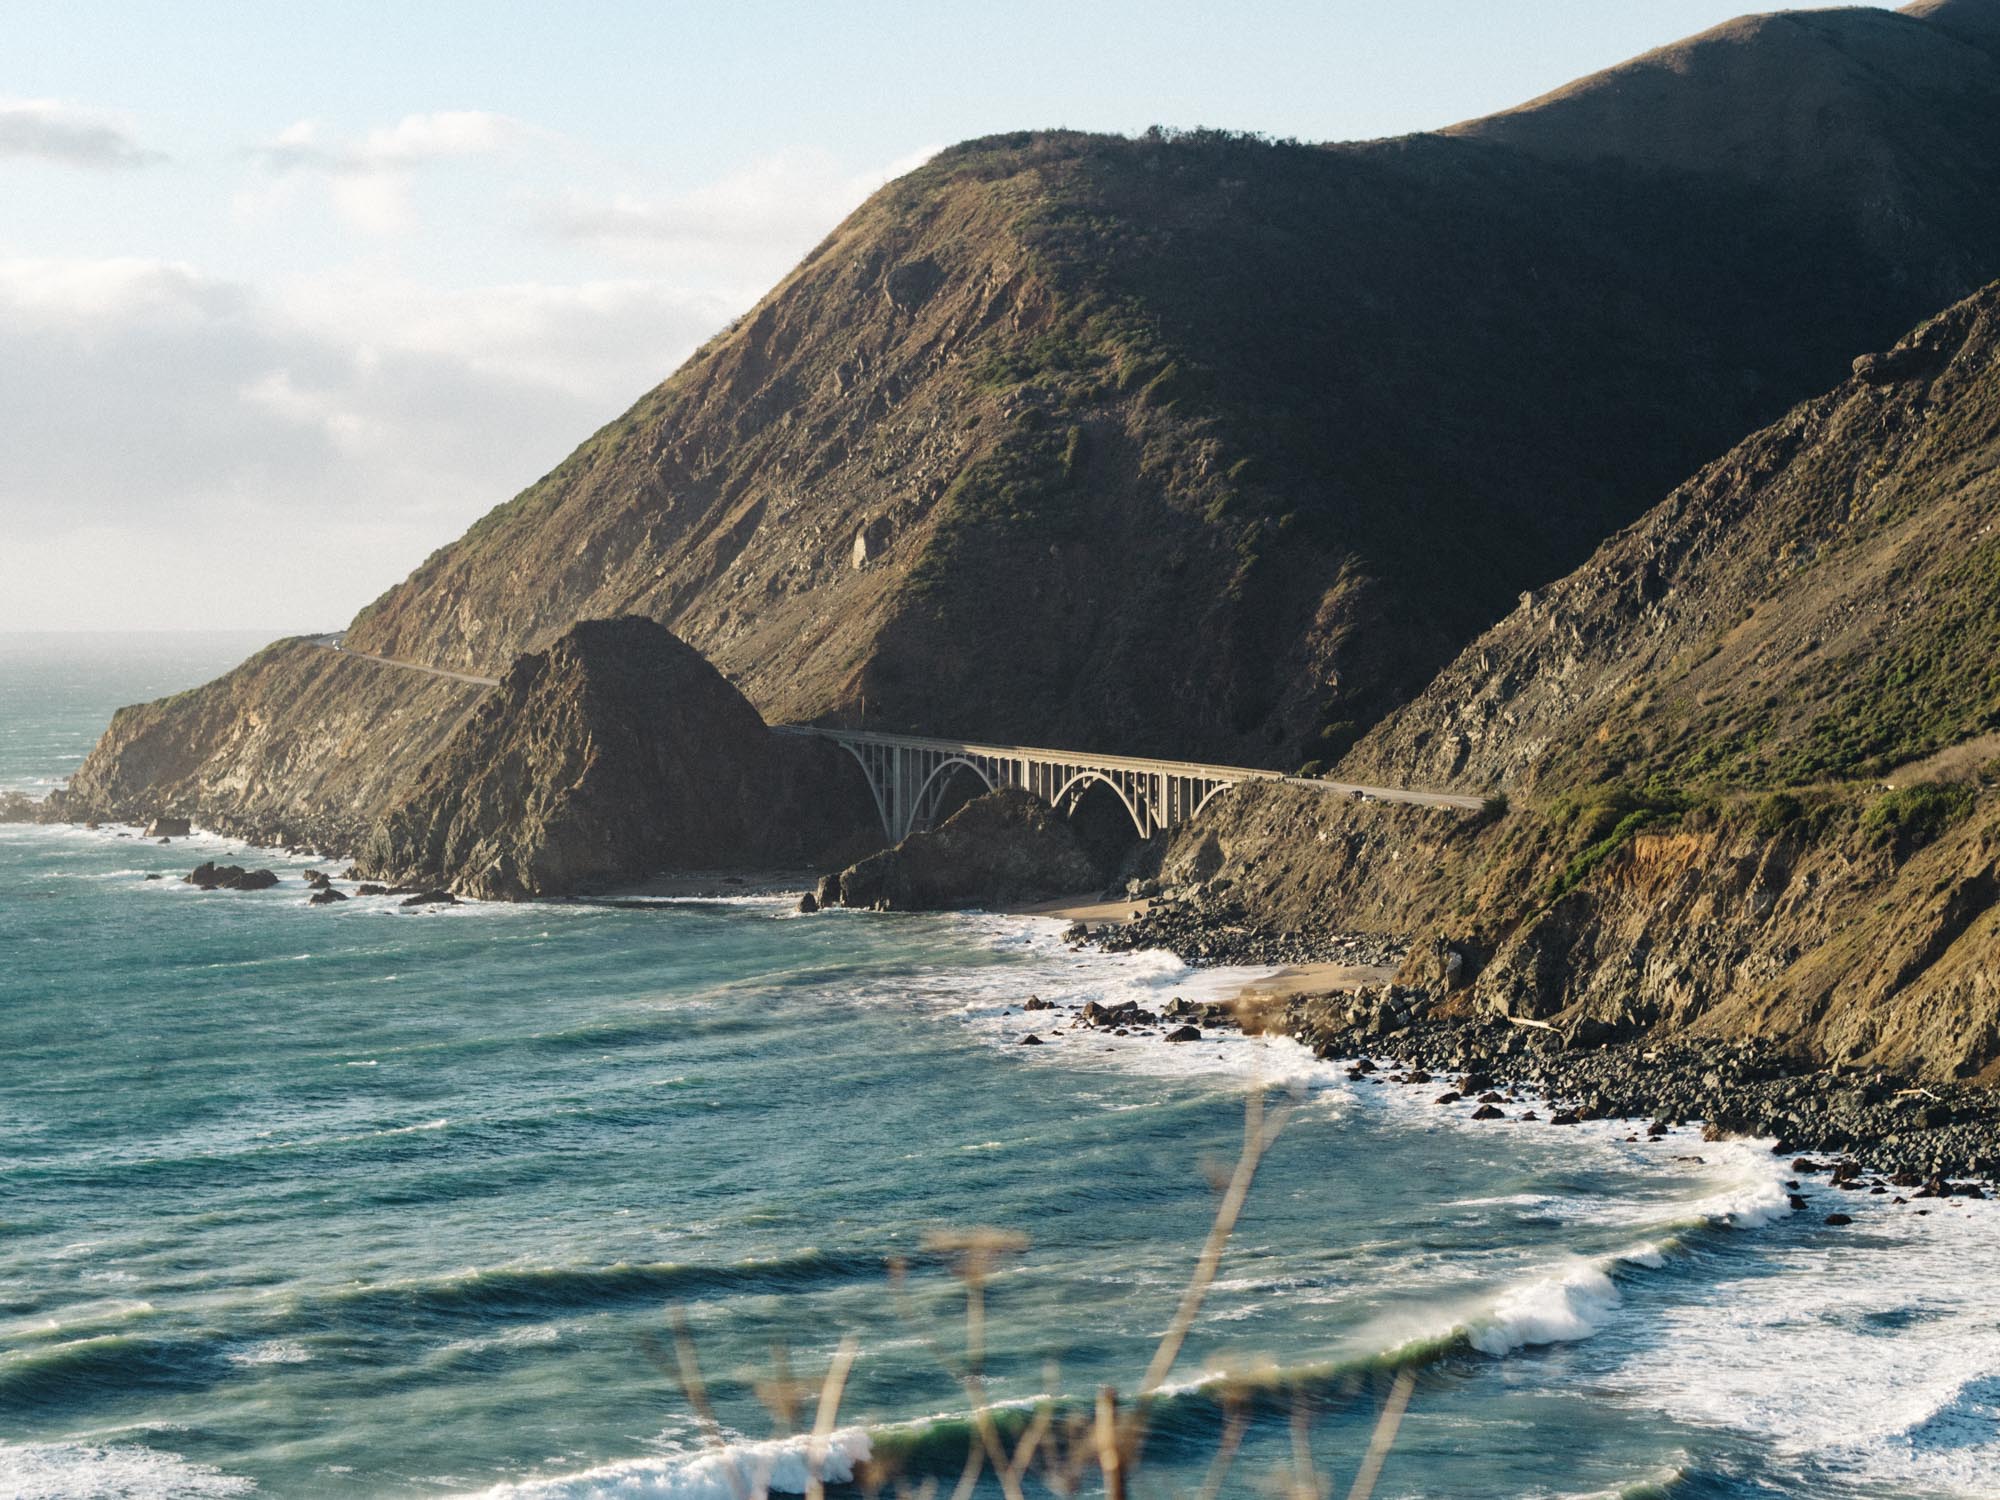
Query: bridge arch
x,y
1084,778
923,806
868,774
1210,795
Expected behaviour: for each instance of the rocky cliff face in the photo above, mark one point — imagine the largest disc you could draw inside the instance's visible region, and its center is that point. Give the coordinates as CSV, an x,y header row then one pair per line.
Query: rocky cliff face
x,y
300,745
616,753
1206,445
1752,750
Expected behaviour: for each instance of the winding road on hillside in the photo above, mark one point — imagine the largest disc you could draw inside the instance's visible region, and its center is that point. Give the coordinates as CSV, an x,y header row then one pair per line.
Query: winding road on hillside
x,y
334,642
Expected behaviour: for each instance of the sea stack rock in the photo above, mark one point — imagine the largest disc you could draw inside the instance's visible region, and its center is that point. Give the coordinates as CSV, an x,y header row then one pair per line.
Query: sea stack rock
x,y
617,753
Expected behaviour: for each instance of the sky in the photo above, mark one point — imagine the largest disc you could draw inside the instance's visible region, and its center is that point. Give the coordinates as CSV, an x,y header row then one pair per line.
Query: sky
x,y
290,295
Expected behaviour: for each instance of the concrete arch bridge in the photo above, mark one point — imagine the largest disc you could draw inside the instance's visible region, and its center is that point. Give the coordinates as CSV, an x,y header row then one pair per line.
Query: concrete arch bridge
x,y
911,776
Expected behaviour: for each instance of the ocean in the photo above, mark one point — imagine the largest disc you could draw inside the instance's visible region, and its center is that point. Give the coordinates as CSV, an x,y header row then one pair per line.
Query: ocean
x,y
365,1201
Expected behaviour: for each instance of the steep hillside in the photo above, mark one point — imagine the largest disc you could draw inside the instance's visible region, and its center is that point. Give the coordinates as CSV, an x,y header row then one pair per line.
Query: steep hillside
x,y
1752,751
1219,447
614,754
1823,605
1890,112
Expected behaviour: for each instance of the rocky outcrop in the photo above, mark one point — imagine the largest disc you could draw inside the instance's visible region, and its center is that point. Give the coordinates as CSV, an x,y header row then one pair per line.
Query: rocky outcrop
x,y
616,753
19,807
1003,848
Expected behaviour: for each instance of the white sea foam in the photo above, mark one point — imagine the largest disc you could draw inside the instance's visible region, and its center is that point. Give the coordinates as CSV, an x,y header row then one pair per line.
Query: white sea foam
x,y
755,1469
114,1471
270,1352
1571,1303
1867,1352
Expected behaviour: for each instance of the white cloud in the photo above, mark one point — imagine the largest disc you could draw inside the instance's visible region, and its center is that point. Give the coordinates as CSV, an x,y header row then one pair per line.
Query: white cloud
x,y
412,141
48,130
178,448
369,177
313,444
783,203
441,133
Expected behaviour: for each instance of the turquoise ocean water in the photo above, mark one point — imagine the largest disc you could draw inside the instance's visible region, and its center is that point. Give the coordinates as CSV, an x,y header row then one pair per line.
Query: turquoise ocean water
x,y
363,1201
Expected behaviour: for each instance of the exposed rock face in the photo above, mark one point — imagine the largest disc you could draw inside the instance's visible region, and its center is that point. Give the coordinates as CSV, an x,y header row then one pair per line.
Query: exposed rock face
x,y
1006,846
298,746
617,753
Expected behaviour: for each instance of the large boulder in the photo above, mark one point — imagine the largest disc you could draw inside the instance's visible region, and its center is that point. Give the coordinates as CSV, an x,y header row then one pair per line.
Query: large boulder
x,y
210,876
617,753
1003,848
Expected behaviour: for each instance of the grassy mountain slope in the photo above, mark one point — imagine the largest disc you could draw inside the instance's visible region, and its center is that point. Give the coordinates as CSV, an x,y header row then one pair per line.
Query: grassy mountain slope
x,y
1206,445
1752,748
1228,442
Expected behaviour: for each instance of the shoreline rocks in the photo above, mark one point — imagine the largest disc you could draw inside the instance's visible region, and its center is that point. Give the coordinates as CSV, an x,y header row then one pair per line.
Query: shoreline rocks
x,y
1900,1125
1871,1121
1204,925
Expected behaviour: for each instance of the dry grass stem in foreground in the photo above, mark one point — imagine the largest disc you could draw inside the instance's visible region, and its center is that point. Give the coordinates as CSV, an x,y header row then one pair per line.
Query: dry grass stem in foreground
x,y
1109,1437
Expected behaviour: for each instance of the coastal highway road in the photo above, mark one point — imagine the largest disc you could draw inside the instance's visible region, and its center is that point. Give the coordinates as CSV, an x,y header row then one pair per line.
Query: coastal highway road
x,y
333,642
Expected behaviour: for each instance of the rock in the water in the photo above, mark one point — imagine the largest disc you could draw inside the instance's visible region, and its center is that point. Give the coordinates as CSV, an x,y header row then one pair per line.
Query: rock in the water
x,y
371,890
326,895
431,898
168,828
209,876
1031,1040
1488,1112
1838,1219
808,904
1004,847
1184,1034
1036,1002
